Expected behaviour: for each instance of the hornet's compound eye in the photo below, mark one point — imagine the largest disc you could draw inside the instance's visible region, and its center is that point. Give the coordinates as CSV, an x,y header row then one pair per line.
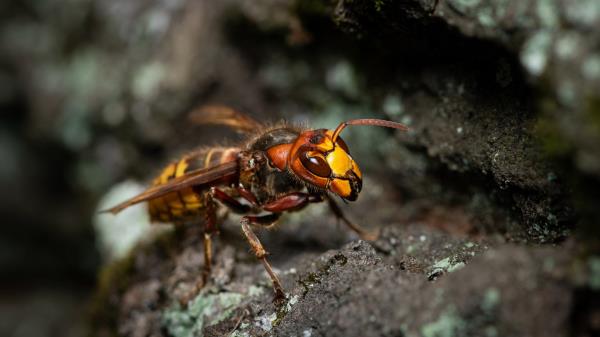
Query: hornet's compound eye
x,y
316,164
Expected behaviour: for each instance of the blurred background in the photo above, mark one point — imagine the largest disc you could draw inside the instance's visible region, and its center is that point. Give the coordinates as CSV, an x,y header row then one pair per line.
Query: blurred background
x,y
503,98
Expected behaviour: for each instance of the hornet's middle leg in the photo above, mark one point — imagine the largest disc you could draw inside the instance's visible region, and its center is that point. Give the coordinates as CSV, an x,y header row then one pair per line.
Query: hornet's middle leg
x,y
288,202
259,250
210,226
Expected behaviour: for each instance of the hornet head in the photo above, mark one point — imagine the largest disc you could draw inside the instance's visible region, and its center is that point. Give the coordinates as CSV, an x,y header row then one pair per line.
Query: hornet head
x,y
322,158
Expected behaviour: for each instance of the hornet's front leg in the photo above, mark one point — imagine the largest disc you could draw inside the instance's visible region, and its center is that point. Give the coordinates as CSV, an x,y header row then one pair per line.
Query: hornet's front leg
x,y
291,202
288,202
363,233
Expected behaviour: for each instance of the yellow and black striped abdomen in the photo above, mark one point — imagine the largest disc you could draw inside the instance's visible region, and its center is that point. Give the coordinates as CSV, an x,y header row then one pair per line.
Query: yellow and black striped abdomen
x,y
189,203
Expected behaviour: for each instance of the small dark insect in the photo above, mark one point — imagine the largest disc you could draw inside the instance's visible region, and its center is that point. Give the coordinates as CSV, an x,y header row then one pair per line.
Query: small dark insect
x,y
279,169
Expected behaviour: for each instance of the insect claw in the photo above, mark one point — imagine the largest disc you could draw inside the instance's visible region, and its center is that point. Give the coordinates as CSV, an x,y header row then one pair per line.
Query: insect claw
x,y
371,235
279,298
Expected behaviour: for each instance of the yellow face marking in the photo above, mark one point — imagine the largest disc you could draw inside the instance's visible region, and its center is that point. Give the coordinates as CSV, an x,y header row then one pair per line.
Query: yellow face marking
x,y
339,162
341,187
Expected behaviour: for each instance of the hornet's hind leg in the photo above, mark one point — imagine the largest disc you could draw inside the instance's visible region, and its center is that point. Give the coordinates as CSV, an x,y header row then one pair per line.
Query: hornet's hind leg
x,y
210,227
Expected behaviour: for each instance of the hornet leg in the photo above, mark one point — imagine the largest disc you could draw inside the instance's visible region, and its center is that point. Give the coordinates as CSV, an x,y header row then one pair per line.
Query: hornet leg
x,y
210,224
259,250
363,233
229,201
209,228
291,202
248,195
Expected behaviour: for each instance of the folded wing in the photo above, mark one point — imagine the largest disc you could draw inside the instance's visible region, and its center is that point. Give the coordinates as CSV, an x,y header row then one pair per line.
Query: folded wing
x,y
208,177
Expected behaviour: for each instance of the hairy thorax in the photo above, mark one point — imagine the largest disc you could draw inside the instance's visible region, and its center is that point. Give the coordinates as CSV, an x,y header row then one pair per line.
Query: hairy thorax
x,y
258,175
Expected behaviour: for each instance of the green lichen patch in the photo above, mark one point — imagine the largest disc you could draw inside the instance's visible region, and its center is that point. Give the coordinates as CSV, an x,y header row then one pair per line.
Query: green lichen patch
x,y
491,299
454,260
284,309
446,265
448,324
206,309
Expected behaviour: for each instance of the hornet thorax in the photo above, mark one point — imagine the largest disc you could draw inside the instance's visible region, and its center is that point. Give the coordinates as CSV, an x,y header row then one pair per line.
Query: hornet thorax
x,y
256,172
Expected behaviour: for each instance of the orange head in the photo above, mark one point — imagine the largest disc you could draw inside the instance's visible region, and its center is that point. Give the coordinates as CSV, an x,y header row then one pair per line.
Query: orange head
x,y
321,158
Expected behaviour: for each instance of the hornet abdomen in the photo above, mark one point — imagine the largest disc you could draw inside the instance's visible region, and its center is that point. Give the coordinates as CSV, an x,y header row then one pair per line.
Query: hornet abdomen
x,y
188,204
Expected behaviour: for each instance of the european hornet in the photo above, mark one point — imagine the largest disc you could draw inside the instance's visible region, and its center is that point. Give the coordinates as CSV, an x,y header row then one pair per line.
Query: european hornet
x,y
279,169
